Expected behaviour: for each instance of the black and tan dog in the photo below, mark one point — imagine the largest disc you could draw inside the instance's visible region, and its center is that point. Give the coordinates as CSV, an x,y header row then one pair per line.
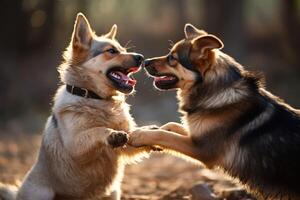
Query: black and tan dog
x,y
231,120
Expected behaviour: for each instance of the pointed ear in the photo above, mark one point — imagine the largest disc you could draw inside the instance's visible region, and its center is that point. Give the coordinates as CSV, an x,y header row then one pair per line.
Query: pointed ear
x,y
112,33
82,33
191,31
206,42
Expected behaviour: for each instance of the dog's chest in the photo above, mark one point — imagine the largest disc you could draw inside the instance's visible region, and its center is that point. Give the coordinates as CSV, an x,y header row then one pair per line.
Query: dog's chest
x,y
200,124
197,125
119,118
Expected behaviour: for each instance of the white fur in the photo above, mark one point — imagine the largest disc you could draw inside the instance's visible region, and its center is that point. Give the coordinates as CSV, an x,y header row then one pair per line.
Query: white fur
x,y
225,97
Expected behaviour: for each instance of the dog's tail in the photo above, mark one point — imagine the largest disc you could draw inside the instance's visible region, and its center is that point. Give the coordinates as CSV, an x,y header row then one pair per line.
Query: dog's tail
x,y
8,192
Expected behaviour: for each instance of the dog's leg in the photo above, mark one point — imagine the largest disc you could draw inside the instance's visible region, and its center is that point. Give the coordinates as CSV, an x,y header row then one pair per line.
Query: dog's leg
x,y
32,191
80,141
165,139
131,151
86,144
114,195
149,127
175,127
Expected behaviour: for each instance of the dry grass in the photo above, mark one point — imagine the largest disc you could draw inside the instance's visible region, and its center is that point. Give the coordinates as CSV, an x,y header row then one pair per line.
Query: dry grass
x,y
159,177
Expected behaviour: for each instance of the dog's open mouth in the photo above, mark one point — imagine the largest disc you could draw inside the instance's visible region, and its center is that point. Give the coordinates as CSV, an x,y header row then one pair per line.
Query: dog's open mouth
x,y
165,81
121,78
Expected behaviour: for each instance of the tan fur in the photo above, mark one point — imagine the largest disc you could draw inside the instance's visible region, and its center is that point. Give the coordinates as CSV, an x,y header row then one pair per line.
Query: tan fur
x,y
175,127
77,159
166,139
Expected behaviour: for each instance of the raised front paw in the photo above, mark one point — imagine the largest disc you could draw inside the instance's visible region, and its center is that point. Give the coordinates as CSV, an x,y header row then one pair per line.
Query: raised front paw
x,y
175,127
143,137
117,139
137,138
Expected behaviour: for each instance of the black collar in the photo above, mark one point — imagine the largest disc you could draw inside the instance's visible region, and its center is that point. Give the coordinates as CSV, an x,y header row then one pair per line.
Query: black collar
x,y
82,92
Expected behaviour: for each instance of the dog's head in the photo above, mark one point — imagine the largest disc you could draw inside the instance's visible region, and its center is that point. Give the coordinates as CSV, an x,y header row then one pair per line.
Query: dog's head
x,y
98,63
188,61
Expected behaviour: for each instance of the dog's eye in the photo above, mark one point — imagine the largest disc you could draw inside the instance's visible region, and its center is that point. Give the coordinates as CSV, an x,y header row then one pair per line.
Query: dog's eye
x,y
112,51
171,60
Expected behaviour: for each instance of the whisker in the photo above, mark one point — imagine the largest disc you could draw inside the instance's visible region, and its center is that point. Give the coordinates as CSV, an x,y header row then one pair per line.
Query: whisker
x,y
132,47
127,43
171,43
127,47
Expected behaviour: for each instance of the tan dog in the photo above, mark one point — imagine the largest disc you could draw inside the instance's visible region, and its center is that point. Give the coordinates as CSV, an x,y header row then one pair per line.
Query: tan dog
x,y
231,121
79,158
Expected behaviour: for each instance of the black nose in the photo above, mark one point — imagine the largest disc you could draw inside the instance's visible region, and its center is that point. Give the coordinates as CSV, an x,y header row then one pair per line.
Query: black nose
x,y
139,58
147,62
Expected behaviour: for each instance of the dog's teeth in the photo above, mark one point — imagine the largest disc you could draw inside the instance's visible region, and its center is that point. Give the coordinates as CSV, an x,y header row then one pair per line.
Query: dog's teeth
x,y
115,75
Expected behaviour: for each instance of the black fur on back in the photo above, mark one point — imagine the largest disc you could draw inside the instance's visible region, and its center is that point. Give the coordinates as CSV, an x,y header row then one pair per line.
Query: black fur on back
x,y
272,164
268,150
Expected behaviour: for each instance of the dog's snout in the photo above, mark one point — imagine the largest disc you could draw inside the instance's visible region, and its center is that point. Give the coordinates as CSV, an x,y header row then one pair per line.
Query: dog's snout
x,y
151,70
138,58
149,67
147,62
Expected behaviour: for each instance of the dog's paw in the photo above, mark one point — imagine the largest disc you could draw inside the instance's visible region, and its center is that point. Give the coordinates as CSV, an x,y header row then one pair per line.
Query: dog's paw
x,y
117,139
140,139
137,138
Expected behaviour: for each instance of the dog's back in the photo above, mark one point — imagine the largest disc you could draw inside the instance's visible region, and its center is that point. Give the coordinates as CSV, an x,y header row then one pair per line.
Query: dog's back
x,y
267,154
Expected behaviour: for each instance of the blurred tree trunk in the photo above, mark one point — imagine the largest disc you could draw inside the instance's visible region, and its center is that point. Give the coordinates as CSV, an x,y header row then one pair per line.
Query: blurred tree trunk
x,y
9,38
291,24
19,37
36,37
181,14
225,19
48,27
82,6
19,25
10,12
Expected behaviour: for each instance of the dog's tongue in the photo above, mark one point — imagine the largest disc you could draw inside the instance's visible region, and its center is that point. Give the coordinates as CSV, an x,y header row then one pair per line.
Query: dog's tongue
x,y
163,78
126,79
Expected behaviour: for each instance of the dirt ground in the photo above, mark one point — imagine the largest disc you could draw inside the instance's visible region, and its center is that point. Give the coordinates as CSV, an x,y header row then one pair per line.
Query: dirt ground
x,y
162,176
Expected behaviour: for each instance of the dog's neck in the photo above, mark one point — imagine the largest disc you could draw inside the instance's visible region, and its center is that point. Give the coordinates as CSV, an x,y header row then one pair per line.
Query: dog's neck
x,y
228,84
209,98
72,75
65,100
209,109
